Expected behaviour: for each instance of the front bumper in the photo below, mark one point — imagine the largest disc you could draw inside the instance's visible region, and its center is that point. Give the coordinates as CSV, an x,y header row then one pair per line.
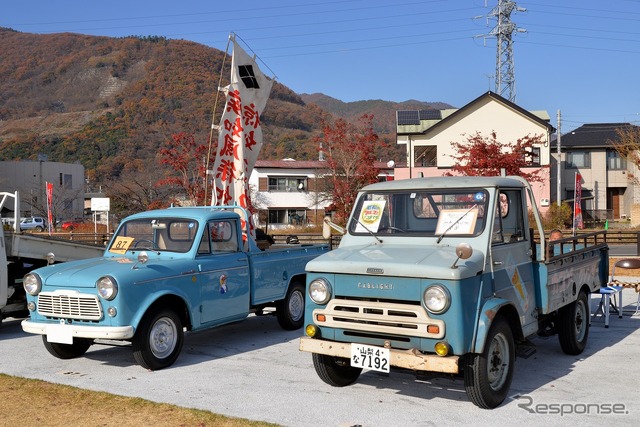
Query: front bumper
x,y
407,359
80,331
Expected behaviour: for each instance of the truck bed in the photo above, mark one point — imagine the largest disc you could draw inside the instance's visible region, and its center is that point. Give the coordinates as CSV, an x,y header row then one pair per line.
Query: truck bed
x,y
28,246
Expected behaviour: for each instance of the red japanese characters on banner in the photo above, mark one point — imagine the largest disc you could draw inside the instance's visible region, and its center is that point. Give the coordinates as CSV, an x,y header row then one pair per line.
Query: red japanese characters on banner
x,y
577,204
49,206
239,133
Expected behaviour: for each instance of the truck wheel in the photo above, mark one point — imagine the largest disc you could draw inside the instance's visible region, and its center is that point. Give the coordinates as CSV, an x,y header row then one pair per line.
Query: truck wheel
x,y
68,351
335,371
290,311
158,340
487,376
573,325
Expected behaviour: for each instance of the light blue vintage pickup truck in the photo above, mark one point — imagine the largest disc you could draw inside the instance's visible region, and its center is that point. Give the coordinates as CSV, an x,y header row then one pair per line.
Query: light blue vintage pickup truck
x,y
445,275
163,272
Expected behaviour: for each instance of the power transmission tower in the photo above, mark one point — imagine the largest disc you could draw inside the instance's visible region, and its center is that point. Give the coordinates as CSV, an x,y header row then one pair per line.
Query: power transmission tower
x,y
503,32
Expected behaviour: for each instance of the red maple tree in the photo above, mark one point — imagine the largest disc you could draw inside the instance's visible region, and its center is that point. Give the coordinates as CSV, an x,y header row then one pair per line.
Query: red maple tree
x,y
486,156
188,161
350,157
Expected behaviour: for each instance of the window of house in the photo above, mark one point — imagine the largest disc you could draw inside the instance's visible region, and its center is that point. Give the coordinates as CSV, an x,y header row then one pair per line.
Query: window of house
x,y
614,161
578,159
533,156
291,216
425,155
287,183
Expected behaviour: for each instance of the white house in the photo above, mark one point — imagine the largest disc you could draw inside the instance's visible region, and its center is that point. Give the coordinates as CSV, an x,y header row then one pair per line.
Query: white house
x,y
293,192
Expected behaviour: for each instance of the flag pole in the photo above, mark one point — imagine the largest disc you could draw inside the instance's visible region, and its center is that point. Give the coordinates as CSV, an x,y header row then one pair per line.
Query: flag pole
x,y
213,125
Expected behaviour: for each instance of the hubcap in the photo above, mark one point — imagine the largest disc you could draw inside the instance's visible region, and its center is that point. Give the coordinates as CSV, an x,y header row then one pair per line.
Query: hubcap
x,y
579,321
296,305
162,339
498,362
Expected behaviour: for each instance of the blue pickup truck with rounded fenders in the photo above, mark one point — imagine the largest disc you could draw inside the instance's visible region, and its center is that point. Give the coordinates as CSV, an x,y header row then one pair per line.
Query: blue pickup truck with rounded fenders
x,y
446,275
164,272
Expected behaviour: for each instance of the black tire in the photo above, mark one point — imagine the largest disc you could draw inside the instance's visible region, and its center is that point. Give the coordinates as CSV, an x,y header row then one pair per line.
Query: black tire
x,y
290,311
335,371
68,351
573,325
158,339
39,229
487,376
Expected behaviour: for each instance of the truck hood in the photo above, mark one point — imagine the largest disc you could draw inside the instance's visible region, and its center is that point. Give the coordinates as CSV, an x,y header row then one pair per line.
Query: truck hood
x,y
85,273
432,262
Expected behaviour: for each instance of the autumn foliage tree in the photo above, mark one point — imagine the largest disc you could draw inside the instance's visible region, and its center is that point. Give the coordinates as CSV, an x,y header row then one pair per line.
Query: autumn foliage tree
x,y
350,154
486,156
188,161
628,146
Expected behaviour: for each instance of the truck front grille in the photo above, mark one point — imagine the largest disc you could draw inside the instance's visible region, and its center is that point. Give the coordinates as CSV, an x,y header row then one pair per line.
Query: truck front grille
x,y
76,306
379,318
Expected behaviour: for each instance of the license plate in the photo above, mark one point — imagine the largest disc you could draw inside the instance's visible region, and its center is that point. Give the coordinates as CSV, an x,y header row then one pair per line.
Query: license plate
x,y
370,357
59,334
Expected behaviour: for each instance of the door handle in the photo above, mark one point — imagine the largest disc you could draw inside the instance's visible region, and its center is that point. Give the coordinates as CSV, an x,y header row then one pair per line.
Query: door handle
x,y
497,262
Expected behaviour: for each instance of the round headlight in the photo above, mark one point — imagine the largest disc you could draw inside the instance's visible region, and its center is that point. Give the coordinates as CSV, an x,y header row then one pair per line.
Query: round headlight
x,y
32,284
107,287
320,291
436,299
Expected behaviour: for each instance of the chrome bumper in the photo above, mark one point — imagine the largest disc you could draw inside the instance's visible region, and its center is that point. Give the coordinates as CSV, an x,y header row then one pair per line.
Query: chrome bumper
x,y
81,331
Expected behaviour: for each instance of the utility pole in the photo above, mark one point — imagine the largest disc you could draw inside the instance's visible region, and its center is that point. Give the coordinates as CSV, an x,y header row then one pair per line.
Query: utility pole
x,y
503,32
559,162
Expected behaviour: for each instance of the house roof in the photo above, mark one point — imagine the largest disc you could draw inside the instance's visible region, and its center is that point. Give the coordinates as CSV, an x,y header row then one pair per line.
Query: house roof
x,y
591,135
432,122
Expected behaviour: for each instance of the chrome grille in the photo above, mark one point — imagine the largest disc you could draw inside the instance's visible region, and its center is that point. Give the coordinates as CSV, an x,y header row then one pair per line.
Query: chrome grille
x,y
379,317
75,306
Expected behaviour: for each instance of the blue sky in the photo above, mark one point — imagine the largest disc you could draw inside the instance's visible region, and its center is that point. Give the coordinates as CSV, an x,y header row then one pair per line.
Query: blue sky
x,y
579,57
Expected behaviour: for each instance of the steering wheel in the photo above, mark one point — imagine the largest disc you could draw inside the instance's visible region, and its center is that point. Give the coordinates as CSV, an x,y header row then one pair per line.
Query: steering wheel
x,y
392,228
149,244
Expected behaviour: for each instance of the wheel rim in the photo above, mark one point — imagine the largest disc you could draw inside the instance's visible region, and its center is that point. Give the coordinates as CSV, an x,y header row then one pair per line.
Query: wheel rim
x,y
162,339
498,362
580,320
296,305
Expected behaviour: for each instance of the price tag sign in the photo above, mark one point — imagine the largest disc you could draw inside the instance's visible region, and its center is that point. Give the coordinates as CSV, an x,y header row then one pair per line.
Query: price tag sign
x,y
121,245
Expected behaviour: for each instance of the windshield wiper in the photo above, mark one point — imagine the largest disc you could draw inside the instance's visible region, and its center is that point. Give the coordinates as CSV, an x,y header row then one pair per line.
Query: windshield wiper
x,y
365,227
455,222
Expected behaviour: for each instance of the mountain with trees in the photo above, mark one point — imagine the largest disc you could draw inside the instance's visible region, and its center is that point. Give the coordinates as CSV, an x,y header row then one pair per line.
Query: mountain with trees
x,y
112,104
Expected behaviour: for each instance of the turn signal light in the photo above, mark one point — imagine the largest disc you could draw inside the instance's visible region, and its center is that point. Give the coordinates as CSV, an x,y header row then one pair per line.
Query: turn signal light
x,y
433,329
321,318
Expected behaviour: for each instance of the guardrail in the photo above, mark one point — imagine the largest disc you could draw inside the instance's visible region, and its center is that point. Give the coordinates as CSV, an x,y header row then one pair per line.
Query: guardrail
x,y
613,237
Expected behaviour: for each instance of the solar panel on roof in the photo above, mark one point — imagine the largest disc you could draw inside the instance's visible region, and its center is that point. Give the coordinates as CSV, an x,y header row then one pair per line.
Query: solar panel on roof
x,y
430,115
408,117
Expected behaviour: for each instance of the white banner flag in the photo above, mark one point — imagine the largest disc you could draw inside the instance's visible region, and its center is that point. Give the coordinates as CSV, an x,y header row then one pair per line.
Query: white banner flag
x,y
239,135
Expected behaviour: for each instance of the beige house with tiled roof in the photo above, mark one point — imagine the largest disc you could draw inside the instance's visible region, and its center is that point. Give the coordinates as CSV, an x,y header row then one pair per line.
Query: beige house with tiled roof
x,y
428,136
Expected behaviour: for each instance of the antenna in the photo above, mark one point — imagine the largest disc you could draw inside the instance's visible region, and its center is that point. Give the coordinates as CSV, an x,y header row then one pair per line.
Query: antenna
x,y
503,32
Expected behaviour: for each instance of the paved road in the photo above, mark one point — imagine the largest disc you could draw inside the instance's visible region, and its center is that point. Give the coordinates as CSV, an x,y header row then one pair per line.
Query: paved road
x,y
253,369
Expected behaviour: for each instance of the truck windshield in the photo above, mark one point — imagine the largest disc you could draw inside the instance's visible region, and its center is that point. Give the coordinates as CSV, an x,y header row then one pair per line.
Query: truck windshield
x,y
158,234
422,213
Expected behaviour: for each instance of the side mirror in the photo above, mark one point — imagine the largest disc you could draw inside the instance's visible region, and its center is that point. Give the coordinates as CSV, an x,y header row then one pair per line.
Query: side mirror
x,y
463,251
326,229
327,225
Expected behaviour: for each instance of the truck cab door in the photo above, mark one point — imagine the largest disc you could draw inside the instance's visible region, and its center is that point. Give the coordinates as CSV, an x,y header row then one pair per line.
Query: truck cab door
x,y
511,257
224,277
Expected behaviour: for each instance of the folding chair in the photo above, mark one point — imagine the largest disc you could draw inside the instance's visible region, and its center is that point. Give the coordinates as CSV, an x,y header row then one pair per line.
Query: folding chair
x,y
611,295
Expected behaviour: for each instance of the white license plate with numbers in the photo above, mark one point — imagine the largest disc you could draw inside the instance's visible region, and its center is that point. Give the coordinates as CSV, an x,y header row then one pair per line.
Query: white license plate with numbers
x,y
370,357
